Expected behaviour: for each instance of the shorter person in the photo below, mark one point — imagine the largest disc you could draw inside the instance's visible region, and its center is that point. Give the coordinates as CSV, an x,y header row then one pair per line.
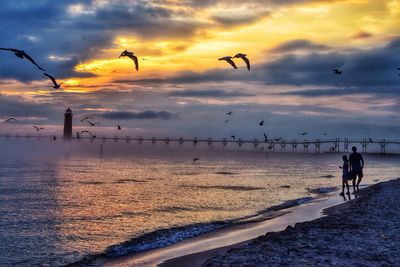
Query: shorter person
x,y
345,175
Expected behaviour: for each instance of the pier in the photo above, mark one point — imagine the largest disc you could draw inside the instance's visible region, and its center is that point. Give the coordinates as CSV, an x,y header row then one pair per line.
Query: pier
x,y
292,145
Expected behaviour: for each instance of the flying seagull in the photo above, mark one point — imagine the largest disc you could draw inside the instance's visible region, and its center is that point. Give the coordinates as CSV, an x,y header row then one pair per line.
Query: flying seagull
x,y
38,128
55,84
261,123
229,60
278,139
22,54
244,58
131,55
233,137
303,134
229,113
336,71
226,121
86,131
370,140
119,127
87,117
93,123
265,138
195,159
10,119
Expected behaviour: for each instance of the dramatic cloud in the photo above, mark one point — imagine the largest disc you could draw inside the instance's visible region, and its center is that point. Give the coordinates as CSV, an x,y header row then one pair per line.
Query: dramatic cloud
x,y
362,35
298,45
145,115
229,19
208,93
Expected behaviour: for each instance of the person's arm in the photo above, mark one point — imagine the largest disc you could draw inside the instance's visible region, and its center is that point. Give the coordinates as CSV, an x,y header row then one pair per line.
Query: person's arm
x,y
362,161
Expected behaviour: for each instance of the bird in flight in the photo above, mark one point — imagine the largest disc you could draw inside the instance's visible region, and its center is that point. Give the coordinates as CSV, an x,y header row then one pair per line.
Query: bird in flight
x,y
226,121
244,58
325,134
119,127
303,134
195,159
229,113
229,60
92,123
278,139
55,84
87,117
337,71
10,119
22,54
86,131
370,140
38,128
233,137
265,138
132,56
261,123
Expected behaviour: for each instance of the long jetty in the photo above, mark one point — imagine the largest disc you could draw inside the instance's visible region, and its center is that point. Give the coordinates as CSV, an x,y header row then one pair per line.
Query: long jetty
x,y
283,145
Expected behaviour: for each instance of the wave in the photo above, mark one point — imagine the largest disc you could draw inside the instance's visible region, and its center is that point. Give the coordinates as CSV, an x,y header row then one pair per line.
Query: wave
x,y
226,173
166,237
123,181
225,187
322,190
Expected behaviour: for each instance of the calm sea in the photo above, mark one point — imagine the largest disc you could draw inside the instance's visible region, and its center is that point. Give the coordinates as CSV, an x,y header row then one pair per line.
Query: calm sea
x,y
62,202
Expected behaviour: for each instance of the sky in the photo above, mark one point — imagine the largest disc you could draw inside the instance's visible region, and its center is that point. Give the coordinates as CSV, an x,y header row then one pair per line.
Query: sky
x,y
182,89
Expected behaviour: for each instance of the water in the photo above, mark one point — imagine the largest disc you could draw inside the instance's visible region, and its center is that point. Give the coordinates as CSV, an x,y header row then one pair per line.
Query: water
x,y
59,204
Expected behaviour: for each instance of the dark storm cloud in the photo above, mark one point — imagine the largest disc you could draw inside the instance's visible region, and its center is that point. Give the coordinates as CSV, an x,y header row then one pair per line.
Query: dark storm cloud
x,y
373,68
296,45
342,91
127,115
17,106
233,19
217,93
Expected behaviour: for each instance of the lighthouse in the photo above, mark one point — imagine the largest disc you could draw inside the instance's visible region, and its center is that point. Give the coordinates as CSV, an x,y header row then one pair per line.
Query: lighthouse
x,y
68,124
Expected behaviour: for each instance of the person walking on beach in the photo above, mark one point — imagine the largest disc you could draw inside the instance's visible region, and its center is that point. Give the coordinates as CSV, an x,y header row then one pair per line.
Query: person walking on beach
x,y
356,165
345,175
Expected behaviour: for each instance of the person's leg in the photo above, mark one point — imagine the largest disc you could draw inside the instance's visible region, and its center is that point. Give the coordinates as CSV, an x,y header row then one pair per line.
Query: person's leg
x,y
354,185
347,185
360,176
342,188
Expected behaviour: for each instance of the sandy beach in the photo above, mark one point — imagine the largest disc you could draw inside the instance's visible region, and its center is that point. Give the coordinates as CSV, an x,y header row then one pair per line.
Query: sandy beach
x,y
361,232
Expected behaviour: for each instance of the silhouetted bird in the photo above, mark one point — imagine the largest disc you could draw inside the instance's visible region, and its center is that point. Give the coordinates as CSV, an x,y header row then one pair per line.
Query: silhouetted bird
x,y
278,139
119,127
336,71
229,113
93,123
195,159
22,54
325,134
370,140
270,147
226,121
87,117
229,60
86,131
38,128
55,84
265,138
10,119
233,137
261,123
244,58
303,134
132,56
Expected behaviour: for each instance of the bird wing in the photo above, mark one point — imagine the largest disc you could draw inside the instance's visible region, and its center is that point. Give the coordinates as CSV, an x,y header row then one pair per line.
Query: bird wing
x,y
230,61
10,49
134,58
247,61
122,54
37,129
51,78
33,61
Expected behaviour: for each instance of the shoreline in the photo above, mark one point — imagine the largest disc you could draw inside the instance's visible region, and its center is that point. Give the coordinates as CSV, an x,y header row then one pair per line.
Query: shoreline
x,y
364,232
227,237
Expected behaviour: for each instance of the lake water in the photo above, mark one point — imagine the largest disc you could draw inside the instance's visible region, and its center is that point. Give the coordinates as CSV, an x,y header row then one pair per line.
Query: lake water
x,y
62,202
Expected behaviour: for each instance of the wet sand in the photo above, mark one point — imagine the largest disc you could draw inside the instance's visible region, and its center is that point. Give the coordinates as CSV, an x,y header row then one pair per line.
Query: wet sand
x,y
196,250
365,232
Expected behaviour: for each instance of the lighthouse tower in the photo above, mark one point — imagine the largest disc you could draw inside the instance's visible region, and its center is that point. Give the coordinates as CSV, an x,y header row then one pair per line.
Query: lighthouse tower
x,y
68,124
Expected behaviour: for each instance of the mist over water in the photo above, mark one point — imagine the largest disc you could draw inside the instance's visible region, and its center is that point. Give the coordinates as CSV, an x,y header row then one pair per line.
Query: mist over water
x,y
60,201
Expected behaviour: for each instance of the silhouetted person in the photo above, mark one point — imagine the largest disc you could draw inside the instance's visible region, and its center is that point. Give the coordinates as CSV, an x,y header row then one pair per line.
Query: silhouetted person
x,y
356,165
345,175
